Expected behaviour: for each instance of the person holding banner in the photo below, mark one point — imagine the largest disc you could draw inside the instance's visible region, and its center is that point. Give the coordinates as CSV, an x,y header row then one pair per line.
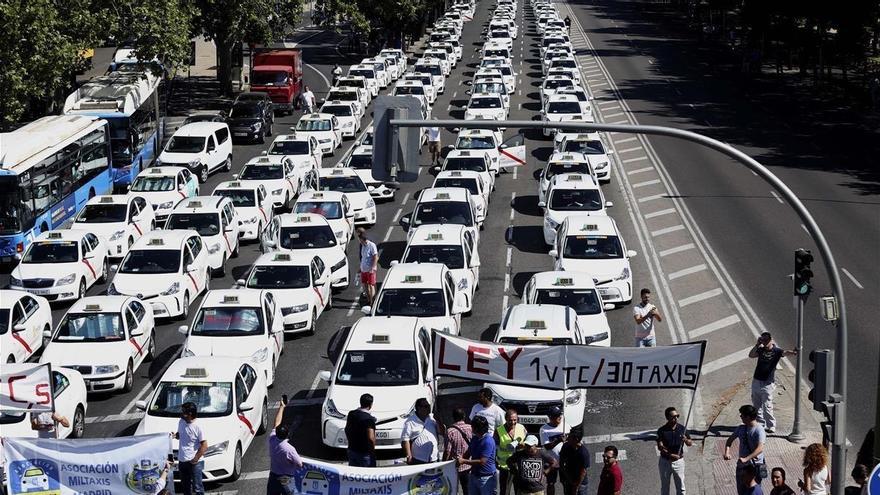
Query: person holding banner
x,y
419,438
46,424
671,440
191,449
481,457
284,460
508,437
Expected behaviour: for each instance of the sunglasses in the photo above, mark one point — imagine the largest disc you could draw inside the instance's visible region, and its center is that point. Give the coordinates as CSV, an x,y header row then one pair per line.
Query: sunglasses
x,y
675,416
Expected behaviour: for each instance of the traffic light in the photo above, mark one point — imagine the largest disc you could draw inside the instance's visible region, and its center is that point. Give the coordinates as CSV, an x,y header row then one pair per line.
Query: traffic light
x,y
822,377
802,272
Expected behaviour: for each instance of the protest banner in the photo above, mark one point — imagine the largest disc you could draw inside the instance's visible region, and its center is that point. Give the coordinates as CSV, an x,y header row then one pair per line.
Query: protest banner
x,y
563,367
323,478
100,466
26,387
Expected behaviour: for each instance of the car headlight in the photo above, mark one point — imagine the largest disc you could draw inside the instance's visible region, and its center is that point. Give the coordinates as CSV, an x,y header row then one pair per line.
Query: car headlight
x,y
624,274
116,235
299,308
174,289
15,282
348,125
250,220
165,205
277,192
324,141
195,162
338,266
213,248
187,353
330,409
339,234
256,126
573,397
260,355
111,290
217,448
370,203
103,370
599,337
602,165
66,280
550,222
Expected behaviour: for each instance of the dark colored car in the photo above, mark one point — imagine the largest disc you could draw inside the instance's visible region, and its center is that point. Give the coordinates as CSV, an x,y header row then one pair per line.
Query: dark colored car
x,y
210,116
251,117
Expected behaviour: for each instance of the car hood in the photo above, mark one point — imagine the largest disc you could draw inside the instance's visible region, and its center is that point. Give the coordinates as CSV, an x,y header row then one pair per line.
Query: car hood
x,y
227,346
366,176
597,159
390,402
159,197
599,269
269,184
103,230
168,158
513,392
48,270
215,430
593,324
145,284
359,200
87,353
243,121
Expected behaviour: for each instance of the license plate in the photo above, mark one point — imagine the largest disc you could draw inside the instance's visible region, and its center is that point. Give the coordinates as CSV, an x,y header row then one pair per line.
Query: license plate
x,y
383,434
532,420
239,134
39,292
605,297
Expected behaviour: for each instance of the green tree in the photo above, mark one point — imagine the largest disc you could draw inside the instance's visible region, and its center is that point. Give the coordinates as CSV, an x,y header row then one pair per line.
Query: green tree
x,y
159,29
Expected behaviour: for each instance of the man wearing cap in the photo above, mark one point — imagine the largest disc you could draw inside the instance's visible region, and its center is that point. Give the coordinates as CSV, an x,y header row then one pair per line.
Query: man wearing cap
x,y
552,436
529,467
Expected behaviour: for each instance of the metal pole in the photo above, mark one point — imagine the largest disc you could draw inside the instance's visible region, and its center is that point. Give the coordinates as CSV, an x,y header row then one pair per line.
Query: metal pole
x,y
838,450
796,435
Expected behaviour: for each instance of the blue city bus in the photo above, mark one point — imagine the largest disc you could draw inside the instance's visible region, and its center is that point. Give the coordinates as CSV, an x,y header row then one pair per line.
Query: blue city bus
x,y
48,171
129,101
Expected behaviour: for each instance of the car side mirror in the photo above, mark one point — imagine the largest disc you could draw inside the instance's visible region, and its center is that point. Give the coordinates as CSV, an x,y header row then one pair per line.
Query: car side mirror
x,y
324,375
459,304
467,92
630,253
609,204
137,333
228,228
47,334
270,244
405,221
19,328
245,407
240,282
321,280
191,268
609,152
366,310
183,329
371,188
395,262
608,306
264,153
141,405
553,253
475,264
542,204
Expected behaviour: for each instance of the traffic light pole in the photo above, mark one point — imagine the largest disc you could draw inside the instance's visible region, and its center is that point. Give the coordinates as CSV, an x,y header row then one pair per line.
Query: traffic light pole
x,y
838,449
796,435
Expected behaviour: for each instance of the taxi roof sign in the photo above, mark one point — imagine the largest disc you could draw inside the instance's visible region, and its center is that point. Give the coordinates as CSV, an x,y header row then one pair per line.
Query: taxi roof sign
x,y
195,373
535,324
156,171
380,339
318,195
575,178
106,199
590,226
412,279
303,219
338,171
156,241
230,299
93,307
435,236
455,173
194,204
55,235
235,184
281,257
442,196
564,281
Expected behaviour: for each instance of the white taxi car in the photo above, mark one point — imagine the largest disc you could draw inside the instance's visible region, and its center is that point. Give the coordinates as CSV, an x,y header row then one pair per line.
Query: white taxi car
x,y
562,163
571,194
310,233
591,145
232,402
23,320
347,114
105,338
486,141
347,181
486,106
303,151
361,161
216,220
324,127
300,282
382,73
71,401
427,291
358,97
471,160
553,84
492,86
453,246
563,108
368,72
473,182
578,291
432,66
442,56
537,324
118,220
594,245
165,269
332,205
61,265
389,357
164,187
426,81
277,174
446,205
252,204
246,323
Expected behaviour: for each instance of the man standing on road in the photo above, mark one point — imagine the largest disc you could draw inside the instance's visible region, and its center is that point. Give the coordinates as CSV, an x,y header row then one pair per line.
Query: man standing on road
x,y
284,460
764,378
458,436
308,99
645,313
369,264
337,73
552,438
46,423
192,446
574,460
486,408
671,440
508,437
434,143
481,457
529,467
751,438
360,431
420,436
611,479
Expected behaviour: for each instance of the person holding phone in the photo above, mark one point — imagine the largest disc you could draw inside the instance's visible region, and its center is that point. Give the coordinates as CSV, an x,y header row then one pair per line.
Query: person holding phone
x,y
645,314
284,460
764,378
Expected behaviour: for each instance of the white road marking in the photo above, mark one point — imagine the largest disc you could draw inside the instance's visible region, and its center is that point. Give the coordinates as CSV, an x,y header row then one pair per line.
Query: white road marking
x,y
677,249
660,213
610,102
387,234
702,296
773,193
715,325
455,94
627,150
726,361
640,170
625,140
852,278
645,183
315,383
687,271
351,308
617,114
397,215
405,199
652,197
310,66
636,159
449,108
667,230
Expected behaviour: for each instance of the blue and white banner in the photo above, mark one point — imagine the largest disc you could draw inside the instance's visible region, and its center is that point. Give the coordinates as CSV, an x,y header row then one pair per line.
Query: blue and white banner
x,y
101,466
322,478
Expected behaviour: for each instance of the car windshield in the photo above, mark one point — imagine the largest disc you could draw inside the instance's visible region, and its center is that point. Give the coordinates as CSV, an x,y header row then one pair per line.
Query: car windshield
x,y
434,70
469,184
556,168
477,164
489,88
240,197
262,172
90,327
367,139
346,184
497,53
268,78
4,320
566,63
506,70
52,252
557,83
360,162
337,110
330,210
378,368
564,107
575,200
341,96
99,213
492,62
411,302
582,301
206,224
212,399
409,90
153,184
474,143
365,73
351,83
314,125
592,147
279,277
234,321
451,256
245,111
485,103
151,261
599,247
307,237
424,80
289,148
186,144
440,212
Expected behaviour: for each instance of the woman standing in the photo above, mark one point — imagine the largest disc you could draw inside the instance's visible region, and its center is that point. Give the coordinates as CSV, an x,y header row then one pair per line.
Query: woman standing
x,y
816,474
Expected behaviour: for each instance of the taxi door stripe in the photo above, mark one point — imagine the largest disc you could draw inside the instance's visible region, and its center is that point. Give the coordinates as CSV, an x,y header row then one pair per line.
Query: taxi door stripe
x,y
138,228
320,297
90,268
139,348
277,343
265,218
195,285
23,343
226,238
246,422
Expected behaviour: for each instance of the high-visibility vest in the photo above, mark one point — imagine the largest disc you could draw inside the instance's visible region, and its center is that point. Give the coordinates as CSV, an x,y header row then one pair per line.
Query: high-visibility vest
x,y
505,439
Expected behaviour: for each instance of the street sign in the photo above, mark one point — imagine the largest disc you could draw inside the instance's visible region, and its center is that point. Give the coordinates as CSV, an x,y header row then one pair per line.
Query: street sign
x,y
874,481
828,306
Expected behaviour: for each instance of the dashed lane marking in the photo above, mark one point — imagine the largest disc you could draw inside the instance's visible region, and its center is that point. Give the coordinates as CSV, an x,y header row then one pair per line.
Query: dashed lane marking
x,y
625,140
702,296
387,233
616,114
652,197
645,183
677,249
639,170
636,159
667,230
852,278
687,271
773,193
627,150
715,325
612,102
653,214
726,361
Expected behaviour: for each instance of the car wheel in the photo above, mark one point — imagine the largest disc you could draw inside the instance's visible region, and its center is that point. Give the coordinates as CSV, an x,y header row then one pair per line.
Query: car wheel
x,y
105,271
236,464
221,272
314,325
203,174
151,350
262,137
78,427
264,419
227,165
82,288
237,246
129,378
184,314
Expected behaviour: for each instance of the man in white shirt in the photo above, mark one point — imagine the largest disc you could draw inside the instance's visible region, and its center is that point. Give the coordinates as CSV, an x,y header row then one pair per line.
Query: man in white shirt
x,y
486,408
420,434
308,99
192,447
434,143
369,264
552,438
645,313
46,424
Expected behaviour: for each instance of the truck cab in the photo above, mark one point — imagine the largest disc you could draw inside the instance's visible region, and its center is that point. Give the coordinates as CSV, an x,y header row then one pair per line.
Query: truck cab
x,y
278,73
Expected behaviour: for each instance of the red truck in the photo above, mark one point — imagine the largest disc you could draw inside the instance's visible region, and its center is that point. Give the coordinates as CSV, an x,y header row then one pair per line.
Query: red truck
x,y
279,73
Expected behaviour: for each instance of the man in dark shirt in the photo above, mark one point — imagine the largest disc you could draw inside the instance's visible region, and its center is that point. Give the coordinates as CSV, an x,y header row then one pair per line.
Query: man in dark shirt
x,y
672,437
360,430
611,479
574,459
529,467
764,378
